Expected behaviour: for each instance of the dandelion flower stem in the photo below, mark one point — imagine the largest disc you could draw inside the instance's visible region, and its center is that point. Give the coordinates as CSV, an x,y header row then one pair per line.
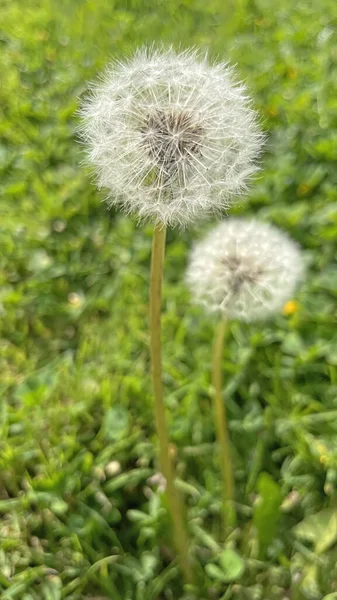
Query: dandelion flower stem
x,y
220,416
166,464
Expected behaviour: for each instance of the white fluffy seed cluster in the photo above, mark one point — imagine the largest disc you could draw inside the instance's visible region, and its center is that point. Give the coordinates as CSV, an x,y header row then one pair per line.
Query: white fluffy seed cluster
x,y
171,137
244,269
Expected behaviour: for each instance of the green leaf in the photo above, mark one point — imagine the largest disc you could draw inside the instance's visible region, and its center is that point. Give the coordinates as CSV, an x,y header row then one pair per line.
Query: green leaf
x,y
137,515
115,423
327,279
59,507
320,529
232,565
214,572
309,583
149,564
293,344
129,479
267,510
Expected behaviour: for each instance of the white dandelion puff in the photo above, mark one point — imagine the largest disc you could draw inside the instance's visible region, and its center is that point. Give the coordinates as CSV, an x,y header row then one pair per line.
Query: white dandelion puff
x,y
171,137
244,269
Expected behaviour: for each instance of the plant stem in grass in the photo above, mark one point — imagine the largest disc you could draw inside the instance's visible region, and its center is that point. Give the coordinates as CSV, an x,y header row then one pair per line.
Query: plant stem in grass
x,y
166,464
221,423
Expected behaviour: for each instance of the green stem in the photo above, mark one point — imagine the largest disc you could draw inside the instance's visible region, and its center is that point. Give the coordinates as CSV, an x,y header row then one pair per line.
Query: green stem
x,y
166,464
221,423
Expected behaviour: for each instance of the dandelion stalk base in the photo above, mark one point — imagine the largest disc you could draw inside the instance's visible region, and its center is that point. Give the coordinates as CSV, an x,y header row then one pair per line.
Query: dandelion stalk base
x,y
166,465
220,416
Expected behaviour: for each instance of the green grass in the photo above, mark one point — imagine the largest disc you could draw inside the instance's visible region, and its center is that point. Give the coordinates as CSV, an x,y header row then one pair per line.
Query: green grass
x,y
76,393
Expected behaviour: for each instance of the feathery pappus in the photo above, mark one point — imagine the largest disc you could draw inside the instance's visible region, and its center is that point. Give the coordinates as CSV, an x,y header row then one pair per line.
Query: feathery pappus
x,y
244,269
171,137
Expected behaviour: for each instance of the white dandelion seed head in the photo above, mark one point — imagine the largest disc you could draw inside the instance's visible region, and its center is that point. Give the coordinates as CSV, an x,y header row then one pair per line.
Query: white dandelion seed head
x,y
244,269
171,137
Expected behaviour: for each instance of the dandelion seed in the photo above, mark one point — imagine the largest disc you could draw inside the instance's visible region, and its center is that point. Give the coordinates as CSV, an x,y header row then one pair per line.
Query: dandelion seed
x,y
75,299
113,468
59,226
171,137
159,480
244,269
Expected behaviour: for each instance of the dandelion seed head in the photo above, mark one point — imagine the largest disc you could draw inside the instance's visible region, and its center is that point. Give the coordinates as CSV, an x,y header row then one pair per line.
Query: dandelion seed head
x,y
244,269
171,137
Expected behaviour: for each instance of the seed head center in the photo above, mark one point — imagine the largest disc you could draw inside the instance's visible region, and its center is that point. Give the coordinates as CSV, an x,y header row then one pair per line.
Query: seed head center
x,y
171,139
241,271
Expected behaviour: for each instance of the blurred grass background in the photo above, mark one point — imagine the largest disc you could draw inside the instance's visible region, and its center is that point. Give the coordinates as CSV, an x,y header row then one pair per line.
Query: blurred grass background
x,y
80,517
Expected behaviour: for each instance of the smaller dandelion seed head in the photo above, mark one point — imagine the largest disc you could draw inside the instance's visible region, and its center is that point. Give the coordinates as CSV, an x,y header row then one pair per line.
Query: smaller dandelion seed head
x,y
244,269
171,137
